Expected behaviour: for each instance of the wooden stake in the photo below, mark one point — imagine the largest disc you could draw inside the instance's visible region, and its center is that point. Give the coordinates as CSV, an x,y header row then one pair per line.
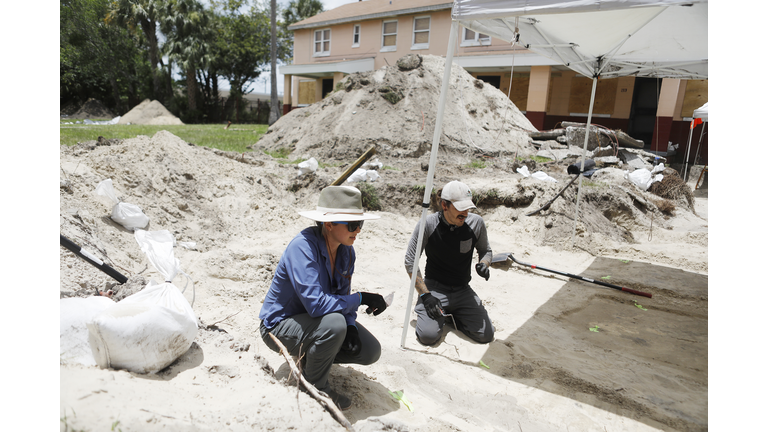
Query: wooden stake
x,y
314,392
361,160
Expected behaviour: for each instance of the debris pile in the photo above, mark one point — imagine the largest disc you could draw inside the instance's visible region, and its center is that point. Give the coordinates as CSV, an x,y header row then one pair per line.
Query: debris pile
x,y
91,109
395,109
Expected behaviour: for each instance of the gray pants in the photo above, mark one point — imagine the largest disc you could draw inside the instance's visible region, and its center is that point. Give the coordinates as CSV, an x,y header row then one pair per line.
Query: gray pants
x,y
467,309
319,341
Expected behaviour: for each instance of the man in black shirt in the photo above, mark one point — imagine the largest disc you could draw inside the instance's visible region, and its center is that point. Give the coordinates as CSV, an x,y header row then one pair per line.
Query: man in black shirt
x,y
450,236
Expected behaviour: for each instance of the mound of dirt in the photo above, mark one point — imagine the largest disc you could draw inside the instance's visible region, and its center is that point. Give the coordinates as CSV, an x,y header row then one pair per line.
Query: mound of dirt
x,y
395,109
149,113
93,109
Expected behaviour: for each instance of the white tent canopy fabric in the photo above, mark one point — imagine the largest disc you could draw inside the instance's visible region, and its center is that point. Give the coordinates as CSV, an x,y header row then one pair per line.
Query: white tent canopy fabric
x,y
607,38
596,38
702,112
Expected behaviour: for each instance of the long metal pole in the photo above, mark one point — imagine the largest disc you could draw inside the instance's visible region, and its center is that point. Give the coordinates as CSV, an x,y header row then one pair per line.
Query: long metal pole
x,y
583,158
688,151
431,172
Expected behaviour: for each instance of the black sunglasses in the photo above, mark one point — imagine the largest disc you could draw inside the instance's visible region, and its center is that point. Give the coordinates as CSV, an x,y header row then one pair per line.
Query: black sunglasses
x,y
352,226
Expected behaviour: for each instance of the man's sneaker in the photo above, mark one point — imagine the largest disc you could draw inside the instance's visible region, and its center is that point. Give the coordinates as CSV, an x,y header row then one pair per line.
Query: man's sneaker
x,y
340,400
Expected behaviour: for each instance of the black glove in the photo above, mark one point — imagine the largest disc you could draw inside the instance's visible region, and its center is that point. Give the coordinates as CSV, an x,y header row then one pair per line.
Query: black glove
x,y
375,303
482,270
352,344
432,305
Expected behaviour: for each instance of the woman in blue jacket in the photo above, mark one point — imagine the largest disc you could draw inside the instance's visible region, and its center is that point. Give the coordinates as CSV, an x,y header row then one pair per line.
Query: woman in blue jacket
x,y
310,306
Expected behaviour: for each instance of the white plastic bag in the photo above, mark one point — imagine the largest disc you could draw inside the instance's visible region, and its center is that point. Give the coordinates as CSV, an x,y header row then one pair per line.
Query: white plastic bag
x,y
643,178
541,175
74,314
523,170
127,215
308,166
149,330
361,175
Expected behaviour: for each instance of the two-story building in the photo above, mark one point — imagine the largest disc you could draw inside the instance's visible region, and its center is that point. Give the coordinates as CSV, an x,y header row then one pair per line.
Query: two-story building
x,y
367,35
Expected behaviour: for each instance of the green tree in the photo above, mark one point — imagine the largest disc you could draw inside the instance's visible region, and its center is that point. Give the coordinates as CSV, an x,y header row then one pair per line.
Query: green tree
x,y
144,14
298,10
241,47
186,25
96,59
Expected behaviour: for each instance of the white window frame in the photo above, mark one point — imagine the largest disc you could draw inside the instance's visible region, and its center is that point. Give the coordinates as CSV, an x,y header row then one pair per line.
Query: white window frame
x,y
475,41
420,46
356,30
322,41
388,48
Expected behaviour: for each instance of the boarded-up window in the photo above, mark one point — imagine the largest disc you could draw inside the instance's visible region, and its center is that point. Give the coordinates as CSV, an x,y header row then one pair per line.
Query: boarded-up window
x,y
421,33
389,36
306,92
581,93
696,95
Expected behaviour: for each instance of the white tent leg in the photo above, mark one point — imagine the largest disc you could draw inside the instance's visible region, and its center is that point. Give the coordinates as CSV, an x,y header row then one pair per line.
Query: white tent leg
x,y
695,158
430,174
687,153
583,158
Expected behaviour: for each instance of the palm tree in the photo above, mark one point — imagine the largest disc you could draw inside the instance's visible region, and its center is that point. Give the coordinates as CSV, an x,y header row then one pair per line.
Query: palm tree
x,y
144,14
186,24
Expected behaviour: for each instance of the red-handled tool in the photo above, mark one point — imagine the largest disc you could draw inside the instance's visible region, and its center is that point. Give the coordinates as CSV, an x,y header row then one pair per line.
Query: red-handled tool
x,y
501,257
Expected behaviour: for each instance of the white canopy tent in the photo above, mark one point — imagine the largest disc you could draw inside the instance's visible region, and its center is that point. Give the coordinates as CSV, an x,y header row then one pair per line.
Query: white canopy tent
x,y
596,38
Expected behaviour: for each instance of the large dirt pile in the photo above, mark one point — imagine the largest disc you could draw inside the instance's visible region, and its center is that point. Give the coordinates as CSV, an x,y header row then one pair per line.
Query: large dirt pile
x,y
395,109
149,113
92,109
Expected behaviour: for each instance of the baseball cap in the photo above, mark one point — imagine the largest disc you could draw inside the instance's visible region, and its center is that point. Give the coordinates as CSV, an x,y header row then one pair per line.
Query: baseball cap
x,y
459,194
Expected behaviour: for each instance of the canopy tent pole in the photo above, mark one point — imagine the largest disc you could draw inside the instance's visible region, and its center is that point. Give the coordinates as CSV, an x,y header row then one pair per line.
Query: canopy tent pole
x,y
688,149
695,158
430,174
584,157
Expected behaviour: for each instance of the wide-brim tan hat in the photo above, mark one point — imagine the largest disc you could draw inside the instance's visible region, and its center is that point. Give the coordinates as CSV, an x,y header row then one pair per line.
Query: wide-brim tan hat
x,y
339,203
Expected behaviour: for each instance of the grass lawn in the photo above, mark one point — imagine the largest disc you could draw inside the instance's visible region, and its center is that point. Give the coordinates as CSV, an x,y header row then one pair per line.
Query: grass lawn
x,y
236,138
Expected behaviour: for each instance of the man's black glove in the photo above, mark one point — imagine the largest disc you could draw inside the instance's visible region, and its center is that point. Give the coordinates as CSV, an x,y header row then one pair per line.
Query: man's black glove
x,y
482,270
375,303
432,305
352,344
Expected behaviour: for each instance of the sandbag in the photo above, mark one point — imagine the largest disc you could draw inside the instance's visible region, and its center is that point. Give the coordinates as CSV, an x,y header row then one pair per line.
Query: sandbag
x,y
128,215
74,314
145,332
149,330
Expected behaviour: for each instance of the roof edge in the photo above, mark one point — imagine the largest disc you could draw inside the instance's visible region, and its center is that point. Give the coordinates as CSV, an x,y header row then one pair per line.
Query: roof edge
x,y
357,18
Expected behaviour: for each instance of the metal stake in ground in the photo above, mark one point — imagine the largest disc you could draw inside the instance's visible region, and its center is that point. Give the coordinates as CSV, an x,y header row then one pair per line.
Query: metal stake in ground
x,y
631,291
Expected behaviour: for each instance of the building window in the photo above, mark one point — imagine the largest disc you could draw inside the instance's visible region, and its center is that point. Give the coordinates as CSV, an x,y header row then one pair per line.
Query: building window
x,y
389,36
322,43
356,36
472,38
420,33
